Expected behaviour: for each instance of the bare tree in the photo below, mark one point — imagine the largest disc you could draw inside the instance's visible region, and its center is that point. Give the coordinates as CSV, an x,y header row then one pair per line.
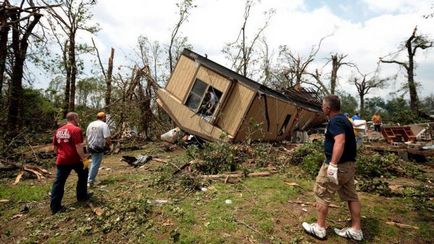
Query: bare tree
x,y
294,67
321,87
240,52
4,33
364,85
413,43
107,77
70,17
337,62
266,66
22,20
184,8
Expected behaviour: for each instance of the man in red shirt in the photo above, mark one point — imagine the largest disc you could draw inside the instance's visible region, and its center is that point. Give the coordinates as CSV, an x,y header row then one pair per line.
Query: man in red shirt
x,y
68,144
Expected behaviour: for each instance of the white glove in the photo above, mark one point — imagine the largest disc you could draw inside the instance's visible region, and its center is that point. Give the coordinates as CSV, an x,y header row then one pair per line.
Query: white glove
x,y
332,173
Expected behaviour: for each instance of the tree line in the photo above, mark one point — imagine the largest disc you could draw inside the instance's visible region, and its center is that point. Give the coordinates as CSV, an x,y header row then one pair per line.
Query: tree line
x,y
42,34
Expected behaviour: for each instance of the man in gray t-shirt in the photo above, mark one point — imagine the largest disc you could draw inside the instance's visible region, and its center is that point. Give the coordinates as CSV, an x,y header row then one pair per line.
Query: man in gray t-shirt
x,y
98,138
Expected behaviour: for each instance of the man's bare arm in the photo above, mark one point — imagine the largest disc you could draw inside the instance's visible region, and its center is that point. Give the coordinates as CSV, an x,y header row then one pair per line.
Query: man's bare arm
x,y
80,150
338,148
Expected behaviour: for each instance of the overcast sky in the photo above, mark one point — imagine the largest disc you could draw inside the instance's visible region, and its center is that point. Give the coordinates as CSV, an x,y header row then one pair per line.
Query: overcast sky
x,y
363,29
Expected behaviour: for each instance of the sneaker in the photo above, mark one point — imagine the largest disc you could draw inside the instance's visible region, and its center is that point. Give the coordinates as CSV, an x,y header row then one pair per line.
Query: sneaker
x,y
350,233
315,230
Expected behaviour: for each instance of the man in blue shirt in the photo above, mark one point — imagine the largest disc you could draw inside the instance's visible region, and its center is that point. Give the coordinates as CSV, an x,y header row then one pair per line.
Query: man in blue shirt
x,y
336,173
356,117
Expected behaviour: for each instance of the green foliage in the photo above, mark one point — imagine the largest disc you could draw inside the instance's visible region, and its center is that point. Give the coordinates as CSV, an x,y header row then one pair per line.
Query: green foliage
x,y
215,157
375,104
427,104
39,113
421,198
348,102
387,165
262,155
309,157
375,185
375,165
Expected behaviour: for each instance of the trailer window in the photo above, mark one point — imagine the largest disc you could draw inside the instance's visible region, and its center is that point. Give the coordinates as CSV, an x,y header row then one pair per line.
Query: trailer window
x,y
210,101
203,98
196,94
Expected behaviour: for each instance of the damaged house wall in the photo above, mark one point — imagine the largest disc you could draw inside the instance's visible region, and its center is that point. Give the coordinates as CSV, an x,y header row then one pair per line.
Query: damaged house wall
x,y
208,100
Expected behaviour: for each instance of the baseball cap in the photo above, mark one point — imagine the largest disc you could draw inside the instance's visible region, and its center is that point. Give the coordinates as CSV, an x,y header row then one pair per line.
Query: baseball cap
x,y
100,115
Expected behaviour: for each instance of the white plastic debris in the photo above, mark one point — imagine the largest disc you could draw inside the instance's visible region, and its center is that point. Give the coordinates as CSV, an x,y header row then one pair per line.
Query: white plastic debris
x,y
172,135
228,201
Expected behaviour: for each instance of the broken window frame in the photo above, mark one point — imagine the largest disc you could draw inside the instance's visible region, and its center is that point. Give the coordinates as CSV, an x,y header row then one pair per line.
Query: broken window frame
x,y
202,96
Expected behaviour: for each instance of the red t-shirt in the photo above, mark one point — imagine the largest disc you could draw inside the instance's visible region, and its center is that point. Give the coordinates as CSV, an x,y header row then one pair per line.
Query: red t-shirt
x,y
65,139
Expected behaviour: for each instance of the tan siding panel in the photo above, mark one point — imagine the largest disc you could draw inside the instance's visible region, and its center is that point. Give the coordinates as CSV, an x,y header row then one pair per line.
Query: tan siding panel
x,y
182,77
214,79
232,113
277,112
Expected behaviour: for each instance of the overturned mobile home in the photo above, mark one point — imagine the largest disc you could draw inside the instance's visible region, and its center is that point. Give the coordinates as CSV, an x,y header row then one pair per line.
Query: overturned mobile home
x,y
208,100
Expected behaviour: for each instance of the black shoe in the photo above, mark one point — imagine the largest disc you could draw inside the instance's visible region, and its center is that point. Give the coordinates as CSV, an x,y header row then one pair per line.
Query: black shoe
x,y
87,198
60,210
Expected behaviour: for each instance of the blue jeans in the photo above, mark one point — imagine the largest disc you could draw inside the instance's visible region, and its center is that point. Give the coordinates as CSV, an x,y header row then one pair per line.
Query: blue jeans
x,y
94,167
62,173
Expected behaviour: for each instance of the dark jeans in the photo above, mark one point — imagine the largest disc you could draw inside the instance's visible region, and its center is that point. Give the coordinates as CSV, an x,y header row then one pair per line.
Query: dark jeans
x,y
377,128
58,188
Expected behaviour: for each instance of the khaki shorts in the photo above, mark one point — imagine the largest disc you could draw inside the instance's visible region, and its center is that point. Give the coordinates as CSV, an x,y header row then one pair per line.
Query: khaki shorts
x,y
324,189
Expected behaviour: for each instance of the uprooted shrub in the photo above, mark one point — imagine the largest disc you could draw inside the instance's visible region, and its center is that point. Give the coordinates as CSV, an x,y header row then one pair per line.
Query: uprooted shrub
x,y
375,186
421,199
309,157
216,157
377,165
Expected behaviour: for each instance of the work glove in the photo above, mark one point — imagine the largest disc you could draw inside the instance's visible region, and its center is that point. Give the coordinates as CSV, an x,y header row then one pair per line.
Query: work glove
x,y
86,163
332,173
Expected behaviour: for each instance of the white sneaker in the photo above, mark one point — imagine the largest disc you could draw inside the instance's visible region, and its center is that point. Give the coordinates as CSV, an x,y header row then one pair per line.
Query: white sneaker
x,y
315,230
350,233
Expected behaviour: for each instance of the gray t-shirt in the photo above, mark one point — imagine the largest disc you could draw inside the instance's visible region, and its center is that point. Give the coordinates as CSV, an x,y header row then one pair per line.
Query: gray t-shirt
x,y
96,133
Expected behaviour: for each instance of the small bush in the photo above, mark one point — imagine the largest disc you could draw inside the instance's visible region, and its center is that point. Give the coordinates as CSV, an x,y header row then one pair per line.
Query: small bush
x,y
421,198
387,165
309,157
215,157
375,185
375,165
262,155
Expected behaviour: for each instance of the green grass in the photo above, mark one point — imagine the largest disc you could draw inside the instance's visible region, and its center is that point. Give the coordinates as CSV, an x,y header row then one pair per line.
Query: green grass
x,y
25,191
259,211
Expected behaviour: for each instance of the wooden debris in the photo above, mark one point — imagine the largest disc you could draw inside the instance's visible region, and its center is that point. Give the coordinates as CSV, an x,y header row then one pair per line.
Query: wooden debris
x,y
40,173
185,166
237,175
312,204
405,226
248,226
17,216
159,160
18,178
4,200
97,210
291,183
